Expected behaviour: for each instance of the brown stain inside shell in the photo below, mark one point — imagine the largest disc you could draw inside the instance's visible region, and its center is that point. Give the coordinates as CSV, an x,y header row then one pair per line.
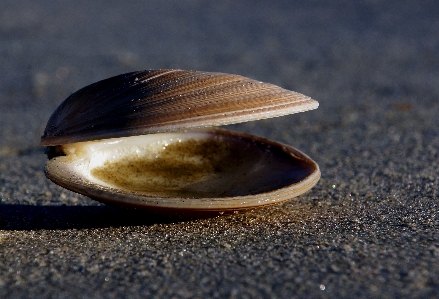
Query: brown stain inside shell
x,y
191,168
206,168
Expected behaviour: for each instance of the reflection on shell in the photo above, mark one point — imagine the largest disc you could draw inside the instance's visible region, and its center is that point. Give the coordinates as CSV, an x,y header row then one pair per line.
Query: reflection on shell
x,y
188,171
166,100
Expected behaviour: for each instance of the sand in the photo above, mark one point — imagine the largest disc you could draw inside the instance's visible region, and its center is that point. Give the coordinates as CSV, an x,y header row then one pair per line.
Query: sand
x,y
368,229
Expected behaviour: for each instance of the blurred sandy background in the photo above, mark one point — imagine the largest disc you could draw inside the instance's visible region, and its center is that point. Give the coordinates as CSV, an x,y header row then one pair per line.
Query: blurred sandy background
x,y
368,229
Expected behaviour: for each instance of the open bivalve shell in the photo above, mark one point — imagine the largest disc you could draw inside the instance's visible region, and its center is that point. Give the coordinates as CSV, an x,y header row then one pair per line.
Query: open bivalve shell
x,y
142,140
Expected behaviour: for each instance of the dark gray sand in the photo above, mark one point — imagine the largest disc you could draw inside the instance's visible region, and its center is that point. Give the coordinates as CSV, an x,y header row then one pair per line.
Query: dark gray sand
x,y
368,229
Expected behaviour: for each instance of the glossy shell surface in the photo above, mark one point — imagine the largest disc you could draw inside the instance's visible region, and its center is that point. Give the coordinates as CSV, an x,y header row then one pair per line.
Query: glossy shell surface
x,y
100,144
155,101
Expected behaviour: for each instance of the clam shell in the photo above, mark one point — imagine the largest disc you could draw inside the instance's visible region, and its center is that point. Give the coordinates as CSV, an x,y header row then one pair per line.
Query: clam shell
x,y
155,101
100,143
188,174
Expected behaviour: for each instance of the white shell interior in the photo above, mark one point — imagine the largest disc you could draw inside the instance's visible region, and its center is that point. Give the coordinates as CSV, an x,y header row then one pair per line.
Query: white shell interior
x,y
193,165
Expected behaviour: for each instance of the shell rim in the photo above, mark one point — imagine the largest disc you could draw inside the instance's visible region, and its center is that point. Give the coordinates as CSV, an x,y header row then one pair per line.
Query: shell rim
x,y
169,205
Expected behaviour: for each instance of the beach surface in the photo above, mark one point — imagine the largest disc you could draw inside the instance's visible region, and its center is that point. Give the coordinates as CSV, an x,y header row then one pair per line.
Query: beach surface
x,y
368,229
